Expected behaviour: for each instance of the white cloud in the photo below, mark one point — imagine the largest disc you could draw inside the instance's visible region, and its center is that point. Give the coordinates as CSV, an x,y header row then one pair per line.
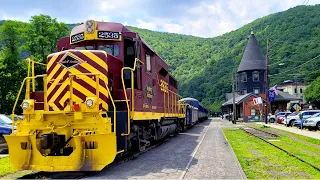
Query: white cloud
x,y
205,18
173,28
146,25
209,19
99,18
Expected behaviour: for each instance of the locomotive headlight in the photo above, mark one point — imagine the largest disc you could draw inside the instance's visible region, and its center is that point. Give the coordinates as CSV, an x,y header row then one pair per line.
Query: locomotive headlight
x,y
25,105
90,26
89,102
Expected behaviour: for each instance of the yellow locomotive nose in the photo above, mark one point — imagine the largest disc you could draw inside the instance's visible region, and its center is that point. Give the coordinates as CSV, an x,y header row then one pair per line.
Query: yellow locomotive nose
x,y
90,153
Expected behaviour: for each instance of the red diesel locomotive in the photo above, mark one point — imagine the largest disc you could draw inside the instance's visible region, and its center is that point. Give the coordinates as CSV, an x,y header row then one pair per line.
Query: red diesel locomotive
x,y
106,92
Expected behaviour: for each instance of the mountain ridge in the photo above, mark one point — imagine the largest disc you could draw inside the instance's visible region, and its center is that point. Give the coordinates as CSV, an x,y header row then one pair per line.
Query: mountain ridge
x,y
204,66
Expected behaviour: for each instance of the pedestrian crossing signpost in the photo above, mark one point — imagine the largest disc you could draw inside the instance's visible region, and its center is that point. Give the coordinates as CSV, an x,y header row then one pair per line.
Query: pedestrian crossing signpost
x,y
258,101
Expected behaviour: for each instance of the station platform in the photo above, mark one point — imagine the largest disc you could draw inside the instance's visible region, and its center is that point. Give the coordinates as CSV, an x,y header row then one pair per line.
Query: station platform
x,y
200,153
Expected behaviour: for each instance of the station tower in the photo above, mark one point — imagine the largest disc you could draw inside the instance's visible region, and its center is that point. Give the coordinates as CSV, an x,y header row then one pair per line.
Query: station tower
x,y
251,72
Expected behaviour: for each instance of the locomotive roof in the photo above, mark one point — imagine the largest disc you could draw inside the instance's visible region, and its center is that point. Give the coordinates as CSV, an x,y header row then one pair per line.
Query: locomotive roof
x,y
109,26
114,27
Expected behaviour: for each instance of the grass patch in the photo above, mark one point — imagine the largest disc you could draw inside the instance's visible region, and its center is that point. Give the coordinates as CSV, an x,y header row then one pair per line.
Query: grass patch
x,y
5,167
304,147
260,160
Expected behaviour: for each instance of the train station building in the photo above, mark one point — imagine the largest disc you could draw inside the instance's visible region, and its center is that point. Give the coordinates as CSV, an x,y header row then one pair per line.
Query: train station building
x,y
251,83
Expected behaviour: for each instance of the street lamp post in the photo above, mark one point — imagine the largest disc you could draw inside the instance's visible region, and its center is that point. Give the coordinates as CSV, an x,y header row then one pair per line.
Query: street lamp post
x,y
267,85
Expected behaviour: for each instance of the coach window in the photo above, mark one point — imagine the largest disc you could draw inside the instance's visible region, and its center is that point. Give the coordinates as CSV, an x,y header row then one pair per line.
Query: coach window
x,y
148,62
256,90
244,77
255,75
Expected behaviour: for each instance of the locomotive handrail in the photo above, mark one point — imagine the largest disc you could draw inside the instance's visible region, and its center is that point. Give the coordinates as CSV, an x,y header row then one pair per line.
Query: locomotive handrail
x,y
164,99
32,72
27,94
132,91
97,94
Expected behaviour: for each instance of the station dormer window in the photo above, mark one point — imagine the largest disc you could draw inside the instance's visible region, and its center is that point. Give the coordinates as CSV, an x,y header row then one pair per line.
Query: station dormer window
x,y
244,77
255,76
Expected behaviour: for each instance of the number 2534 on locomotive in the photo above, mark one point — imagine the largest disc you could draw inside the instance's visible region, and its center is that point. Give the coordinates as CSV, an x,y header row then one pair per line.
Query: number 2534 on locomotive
x,y
105,93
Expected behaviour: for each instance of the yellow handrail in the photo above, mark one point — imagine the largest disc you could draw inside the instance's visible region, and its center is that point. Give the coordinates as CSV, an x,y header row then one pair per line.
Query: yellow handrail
x,y
174,96
132,91
27,95
98,93
33,73
114,111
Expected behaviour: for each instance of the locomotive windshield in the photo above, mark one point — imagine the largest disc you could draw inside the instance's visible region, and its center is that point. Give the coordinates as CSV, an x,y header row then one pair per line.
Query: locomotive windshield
x,y
85,47
112,49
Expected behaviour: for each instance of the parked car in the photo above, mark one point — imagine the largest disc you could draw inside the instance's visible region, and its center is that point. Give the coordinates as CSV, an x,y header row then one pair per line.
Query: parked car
x,y
282,115
289,121
283,119
280,119
5,128
227,116
21,117
313,122
272,118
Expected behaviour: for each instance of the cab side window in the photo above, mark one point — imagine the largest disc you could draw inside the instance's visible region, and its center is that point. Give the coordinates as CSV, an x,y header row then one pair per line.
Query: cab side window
x,y
148,62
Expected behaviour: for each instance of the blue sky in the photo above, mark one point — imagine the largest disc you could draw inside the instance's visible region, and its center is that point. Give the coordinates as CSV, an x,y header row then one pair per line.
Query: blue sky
x,y
204,18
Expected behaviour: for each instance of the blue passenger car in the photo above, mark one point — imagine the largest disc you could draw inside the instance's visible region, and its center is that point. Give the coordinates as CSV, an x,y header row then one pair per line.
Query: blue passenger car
x,y
194,112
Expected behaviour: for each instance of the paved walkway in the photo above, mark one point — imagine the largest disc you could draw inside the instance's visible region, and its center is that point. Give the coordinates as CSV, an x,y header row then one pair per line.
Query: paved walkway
x,y
200,153
307,133
3,155
215,158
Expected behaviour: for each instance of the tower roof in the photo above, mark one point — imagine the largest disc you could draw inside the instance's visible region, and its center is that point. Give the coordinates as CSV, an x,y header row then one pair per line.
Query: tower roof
x,y
252,58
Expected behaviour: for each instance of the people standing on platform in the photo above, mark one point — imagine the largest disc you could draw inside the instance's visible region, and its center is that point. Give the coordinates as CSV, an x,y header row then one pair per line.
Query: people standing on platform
x,y
275,116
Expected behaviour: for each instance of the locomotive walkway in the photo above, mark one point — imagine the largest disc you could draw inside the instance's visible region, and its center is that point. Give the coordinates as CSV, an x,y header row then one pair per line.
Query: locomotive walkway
x,y
200,153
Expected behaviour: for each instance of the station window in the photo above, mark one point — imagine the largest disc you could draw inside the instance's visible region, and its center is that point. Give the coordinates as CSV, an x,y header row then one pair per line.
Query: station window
x,y
244,77
253,112
148,62
112,49
256,90
245,91
255,76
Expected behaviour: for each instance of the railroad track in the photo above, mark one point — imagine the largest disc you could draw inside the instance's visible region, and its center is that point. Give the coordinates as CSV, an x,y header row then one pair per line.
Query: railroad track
x,y
264,134
83,174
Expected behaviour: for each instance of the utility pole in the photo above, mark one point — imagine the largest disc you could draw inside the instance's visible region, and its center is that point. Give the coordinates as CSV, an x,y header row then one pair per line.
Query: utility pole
x,y
267,85
234,115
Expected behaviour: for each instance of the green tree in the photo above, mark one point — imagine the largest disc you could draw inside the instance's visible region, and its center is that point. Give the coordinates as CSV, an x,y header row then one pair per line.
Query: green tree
x,y
43,35
12,69
312,93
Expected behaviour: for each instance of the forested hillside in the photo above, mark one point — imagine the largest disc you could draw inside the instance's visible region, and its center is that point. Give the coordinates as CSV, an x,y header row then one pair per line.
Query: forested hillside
x,y
203,66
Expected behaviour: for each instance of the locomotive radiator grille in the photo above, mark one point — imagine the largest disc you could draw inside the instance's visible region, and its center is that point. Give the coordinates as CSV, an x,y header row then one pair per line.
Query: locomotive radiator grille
x,y
59,67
